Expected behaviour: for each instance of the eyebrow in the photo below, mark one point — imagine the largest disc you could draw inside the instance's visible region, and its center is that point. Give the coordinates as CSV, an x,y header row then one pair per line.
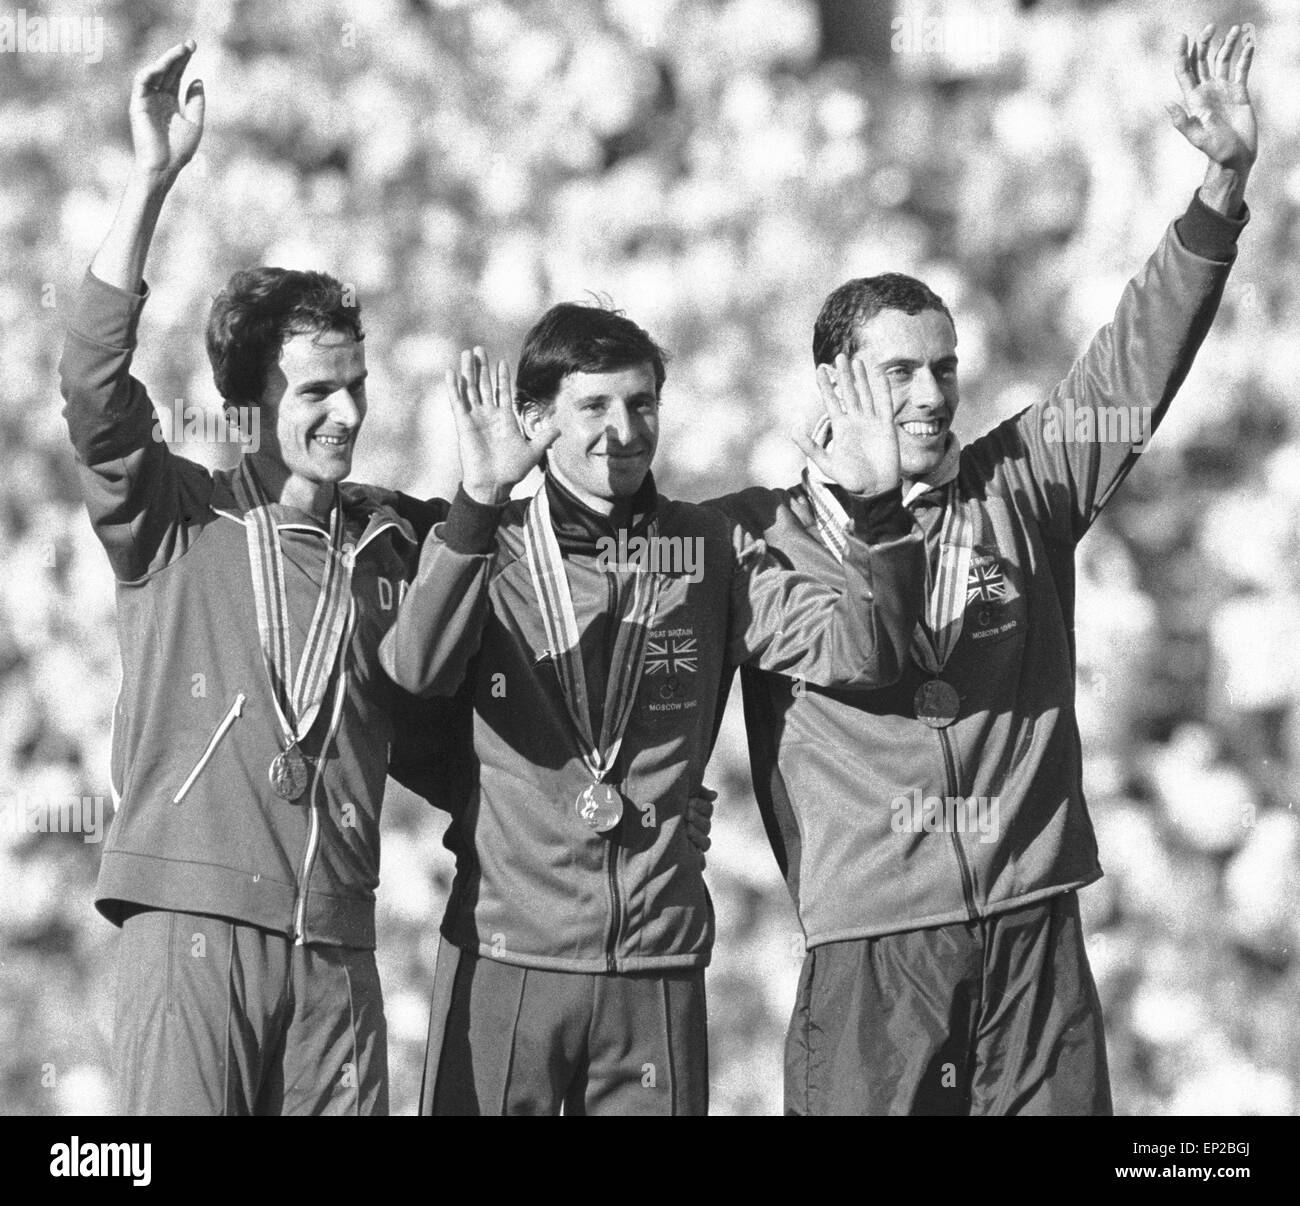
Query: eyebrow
x,y
328,383
639,396
912,362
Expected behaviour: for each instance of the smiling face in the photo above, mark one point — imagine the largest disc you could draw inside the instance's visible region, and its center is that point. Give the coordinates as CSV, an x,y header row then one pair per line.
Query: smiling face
x,y
313,405
918,355
609,429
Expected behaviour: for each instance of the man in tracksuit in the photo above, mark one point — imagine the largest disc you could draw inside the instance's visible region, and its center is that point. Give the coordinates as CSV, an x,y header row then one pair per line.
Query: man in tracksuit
x,y
934,834
253,729
593,624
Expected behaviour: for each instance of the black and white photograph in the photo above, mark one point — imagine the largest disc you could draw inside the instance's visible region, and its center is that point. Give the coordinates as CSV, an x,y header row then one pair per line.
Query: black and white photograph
x,y
650,558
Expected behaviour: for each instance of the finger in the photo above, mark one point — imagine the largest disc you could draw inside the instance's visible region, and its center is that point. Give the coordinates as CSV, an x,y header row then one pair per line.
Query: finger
x,y
483,374
469,380
826,386
1241,72
1203,54
871,398
502,391
1182,123
1183,66
195,103
150,76
810,449
1223,59
171,78
455,394
705,793
702,808
852,402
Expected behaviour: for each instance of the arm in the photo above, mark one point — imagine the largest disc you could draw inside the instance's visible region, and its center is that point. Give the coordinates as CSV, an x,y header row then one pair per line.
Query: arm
x,y
137,493
1080,443
853,629
440,623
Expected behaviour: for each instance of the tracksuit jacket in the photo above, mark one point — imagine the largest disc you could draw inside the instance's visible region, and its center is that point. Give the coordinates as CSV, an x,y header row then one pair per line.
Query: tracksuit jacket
x,y
534,886
197,827
833,770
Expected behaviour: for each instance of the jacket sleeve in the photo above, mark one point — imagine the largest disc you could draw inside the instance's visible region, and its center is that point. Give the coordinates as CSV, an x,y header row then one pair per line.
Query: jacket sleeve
x,y
146,504
1079,444
850,632
433,748
440,622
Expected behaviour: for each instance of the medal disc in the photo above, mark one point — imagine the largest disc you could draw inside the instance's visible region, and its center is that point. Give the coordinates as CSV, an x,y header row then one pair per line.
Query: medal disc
x,y
600,807
288,774
937,703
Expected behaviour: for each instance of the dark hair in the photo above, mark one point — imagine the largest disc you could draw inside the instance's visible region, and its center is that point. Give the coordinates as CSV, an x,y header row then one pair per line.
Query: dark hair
x,y
573,337
860,300
258,310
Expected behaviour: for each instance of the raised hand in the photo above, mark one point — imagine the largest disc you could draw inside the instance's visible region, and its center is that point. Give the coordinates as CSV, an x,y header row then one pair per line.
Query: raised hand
x,y
1217,116
863,454
495,454
164,131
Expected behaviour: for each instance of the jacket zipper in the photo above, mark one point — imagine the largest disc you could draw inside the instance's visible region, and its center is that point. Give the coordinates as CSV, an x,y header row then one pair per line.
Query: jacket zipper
x,y
950,773
313,824
611,861
236,709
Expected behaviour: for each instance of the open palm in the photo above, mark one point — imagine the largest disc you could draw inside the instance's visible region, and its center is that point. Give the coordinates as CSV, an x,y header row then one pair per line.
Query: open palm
x,y
164,131
1217,116
495,454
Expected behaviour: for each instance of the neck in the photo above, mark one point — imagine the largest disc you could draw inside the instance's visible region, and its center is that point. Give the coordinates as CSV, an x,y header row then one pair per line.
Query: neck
x,y
602,506
290,490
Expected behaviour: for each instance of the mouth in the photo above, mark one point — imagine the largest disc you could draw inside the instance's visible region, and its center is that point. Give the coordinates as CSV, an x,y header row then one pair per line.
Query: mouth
x,y
924,429
622,456
333,442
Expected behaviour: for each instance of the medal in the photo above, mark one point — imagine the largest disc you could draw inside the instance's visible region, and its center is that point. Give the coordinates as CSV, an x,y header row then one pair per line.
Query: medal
x,y
288,773
297,697
600,806
937,703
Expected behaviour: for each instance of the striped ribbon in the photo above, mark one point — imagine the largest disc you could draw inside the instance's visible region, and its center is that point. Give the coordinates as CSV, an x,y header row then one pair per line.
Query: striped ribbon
x,y
635,621
945,592
297,699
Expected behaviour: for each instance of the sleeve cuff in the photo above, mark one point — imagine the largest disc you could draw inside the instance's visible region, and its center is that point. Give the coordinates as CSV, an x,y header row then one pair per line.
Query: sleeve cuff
x,y
471,527
106,314
878,517
1207,233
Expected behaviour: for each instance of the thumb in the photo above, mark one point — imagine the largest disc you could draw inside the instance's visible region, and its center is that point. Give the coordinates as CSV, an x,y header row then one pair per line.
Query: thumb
x,y
811,450
195,103
545,437
1182,122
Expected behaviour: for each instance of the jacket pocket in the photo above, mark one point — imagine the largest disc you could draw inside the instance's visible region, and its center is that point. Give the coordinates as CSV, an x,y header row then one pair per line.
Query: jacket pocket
x,y
236,709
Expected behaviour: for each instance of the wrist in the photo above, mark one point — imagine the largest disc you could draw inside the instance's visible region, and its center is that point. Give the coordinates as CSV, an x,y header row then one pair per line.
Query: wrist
x,y
488,494
1224,187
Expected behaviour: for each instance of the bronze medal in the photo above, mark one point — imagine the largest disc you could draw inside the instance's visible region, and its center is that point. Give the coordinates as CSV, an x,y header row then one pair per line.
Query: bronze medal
x,y
288,774
937,703
600,806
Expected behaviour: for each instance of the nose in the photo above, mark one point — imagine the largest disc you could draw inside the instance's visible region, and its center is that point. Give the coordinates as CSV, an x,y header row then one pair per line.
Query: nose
x,y
346,409
618,424
925,391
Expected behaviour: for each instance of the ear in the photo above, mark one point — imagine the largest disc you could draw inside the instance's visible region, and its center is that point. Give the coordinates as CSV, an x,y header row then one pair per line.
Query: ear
x,y
532,418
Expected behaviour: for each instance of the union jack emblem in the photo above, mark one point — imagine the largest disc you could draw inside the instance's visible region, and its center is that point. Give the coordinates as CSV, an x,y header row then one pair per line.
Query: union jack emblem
x,y
672,655
986,583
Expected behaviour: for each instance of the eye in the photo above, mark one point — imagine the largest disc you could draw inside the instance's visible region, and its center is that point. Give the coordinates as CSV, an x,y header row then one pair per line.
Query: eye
x,y
899,372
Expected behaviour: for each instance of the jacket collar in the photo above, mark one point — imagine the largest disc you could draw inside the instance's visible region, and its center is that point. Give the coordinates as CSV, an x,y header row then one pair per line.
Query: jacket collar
x,y
578,528
367,510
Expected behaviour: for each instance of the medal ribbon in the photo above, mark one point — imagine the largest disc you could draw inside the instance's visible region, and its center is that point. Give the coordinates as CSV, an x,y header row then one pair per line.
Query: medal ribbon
x,y
945,612
628,660
297,700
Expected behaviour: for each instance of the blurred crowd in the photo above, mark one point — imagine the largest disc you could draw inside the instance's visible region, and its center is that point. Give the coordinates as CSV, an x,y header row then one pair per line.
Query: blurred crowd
x,y
714,167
